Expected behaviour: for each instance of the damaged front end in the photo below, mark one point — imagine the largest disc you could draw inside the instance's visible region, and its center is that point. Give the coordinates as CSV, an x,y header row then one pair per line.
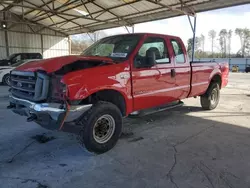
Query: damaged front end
x,y
43,99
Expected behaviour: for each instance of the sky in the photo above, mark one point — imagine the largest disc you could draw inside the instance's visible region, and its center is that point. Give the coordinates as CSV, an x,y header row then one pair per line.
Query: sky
x,y
228,18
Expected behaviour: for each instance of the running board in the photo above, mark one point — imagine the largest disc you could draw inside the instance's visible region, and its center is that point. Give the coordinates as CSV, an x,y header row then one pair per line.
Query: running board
x,y
156,109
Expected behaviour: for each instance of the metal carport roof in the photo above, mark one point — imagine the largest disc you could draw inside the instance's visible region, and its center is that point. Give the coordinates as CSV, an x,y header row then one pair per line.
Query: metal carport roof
x,y
79,16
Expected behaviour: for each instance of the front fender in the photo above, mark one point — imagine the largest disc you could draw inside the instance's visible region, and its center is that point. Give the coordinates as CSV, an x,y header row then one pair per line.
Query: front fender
x,y
82,84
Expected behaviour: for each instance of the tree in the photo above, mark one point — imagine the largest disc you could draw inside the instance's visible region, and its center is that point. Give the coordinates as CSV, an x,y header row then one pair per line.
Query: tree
x,y
97,35
244,35
80,42
229,38
223,42
212,36
190,45
239,32
202,42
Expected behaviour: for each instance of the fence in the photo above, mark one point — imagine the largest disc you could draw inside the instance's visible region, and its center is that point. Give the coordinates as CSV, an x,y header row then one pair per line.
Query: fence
x,y
242,63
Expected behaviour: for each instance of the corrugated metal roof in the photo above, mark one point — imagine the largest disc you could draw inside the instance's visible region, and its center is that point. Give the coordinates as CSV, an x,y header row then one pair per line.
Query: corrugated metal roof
x,y
77,16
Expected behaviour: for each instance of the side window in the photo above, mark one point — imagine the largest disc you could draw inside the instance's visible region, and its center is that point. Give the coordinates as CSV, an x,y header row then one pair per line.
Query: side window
x,y
24,56
178,51
157,45
17,58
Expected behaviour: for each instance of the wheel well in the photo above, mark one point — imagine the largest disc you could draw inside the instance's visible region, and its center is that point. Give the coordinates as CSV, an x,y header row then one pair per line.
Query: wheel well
x,y
108,95
216,79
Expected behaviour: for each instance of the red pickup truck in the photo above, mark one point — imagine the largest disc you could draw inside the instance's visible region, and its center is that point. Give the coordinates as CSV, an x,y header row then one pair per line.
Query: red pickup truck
x,y
115,77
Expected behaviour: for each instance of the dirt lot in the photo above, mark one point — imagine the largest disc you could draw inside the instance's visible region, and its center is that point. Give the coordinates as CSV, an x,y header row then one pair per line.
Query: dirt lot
x,y
181,148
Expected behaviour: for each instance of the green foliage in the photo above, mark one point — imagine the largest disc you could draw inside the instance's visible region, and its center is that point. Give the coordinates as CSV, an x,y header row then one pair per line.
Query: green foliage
x,y
244,36
190,45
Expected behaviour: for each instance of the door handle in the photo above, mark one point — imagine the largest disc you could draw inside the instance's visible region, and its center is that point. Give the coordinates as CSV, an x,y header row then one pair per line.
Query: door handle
x,y
173,73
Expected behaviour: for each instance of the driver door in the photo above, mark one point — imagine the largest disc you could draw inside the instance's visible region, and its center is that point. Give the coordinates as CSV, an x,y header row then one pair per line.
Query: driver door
x,y
152,85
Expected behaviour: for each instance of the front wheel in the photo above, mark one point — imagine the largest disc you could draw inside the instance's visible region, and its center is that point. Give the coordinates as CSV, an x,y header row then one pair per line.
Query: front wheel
x,y
102,127
210,99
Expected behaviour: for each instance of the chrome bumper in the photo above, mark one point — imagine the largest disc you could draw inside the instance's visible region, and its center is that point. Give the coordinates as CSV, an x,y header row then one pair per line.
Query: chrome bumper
x,y
54,111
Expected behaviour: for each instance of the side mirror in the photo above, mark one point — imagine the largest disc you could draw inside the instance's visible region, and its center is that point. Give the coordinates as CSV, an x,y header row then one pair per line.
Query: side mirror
x,y
150,59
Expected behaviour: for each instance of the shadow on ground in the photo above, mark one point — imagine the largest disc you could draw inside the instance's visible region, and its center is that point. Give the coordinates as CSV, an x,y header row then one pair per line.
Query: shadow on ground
x,y
168,149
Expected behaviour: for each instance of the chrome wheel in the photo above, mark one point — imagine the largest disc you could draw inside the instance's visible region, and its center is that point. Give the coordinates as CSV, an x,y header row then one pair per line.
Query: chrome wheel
x,y
214,96
104,128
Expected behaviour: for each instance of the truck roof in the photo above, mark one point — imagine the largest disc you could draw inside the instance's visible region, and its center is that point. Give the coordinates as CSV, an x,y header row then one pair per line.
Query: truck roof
x,y
156,34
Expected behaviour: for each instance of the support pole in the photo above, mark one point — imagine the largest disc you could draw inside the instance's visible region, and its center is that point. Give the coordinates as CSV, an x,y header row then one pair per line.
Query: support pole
x,y
194,35
193,27
69,40
6,36
127,28
93,40
42,48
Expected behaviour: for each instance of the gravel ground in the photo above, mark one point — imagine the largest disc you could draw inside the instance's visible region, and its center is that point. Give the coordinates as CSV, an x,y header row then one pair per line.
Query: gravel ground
x,y
184,147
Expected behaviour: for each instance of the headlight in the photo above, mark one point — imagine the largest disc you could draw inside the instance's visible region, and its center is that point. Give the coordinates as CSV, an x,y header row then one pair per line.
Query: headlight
x,y
59,91
64,88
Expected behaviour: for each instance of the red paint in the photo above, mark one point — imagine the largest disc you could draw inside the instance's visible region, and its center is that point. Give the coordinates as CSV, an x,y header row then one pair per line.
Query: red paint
x,y
141,88
53,64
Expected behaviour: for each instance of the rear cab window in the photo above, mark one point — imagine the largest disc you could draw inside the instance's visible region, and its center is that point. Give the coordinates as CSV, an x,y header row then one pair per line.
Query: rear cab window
x,y
178,51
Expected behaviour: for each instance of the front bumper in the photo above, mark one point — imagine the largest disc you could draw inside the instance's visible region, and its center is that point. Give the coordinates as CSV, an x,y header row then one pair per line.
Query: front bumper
x,y
48,115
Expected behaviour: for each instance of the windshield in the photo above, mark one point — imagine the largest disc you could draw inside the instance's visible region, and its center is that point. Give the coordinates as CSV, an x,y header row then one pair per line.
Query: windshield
x,y
11,56
116,47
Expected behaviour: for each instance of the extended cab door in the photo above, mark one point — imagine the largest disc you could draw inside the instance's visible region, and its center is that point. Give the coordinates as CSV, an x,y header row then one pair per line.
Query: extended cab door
x,y
182,69
152,86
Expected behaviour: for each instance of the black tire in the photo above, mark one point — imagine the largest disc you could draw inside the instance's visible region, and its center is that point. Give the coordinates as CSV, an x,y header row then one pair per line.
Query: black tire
x,y
89,121
6,80
210,99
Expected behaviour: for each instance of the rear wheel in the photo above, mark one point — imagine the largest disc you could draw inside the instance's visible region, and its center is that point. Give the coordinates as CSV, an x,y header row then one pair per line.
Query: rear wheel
x,y
210,99
102,127
6,79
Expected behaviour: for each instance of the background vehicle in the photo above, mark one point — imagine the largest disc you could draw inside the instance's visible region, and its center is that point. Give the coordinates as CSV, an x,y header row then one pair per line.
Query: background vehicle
x,y
117,76
247,70
5,71
19,58
235,68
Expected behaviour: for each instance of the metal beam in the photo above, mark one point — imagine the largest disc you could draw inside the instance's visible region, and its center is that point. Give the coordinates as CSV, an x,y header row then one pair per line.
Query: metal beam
x,y
105,10
62,13
28,22
97,12
10,5
28,12
171,7
58,8
45,4
110,20
90,37
122,17
127,29
87,8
